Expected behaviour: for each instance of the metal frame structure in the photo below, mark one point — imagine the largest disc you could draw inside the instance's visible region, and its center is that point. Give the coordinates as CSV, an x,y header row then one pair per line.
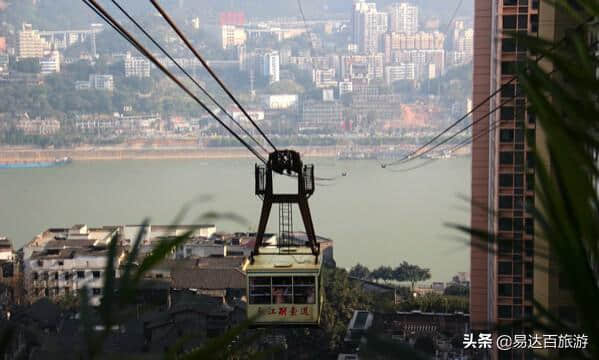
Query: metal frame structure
x,y
286,162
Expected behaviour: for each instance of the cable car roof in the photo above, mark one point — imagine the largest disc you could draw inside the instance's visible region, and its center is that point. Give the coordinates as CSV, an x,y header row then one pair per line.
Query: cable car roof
x,y
275,259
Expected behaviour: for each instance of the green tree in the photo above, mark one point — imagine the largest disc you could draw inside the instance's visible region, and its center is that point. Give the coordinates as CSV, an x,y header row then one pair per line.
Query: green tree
x,y
384,273
411,273
359,271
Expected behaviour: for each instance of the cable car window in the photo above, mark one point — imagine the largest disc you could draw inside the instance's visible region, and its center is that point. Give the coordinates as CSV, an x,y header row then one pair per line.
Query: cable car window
x,y
259,290
282,290
304,290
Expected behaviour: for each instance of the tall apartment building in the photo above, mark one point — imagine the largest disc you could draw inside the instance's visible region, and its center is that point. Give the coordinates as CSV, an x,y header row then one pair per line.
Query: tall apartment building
x,y
232,36
136,66
30,44
504,278
51,63
403,18
271,66
369,25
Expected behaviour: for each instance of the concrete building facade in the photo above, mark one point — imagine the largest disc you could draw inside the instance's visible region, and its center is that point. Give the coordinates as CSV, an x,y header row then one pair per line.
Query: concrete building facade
x,y
505,276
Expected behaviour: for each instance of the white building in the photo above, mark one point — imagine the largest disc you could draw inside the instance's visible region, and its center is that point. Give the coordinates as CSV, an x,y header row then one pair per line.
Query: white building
x,y
232,36
102,82
30,44
368,26
97,82
136,66
404,71
59,262
281,101
328,95
271,66
51,63
6,252
403,18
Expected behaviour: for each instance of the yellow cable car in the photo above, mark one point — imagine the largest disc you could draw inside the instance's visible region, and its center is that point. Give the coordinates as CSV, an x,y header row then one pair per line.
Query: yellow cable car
x,y
284,278
284,288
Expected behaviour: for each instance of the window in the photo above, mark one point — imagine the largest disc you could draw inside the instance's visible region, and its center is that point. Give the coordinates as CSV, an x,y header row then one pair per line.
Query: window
x,y
522,21
529,247
531,136
530,204
507,113
504,311
506,158
81,274
528,292
508,90
519,136
505,289
530,182
504,268
506,180
508,45
505,224
304,290
60,263
519,158
528,270
282,290
517,290
534,23
518,224
518,180
259,290
67,276
96,291
56,276
505,202
530,160
509,2
505,246
508,67
96,274
35,276
506,135
509,21
529,227
517,268
517,312
159,276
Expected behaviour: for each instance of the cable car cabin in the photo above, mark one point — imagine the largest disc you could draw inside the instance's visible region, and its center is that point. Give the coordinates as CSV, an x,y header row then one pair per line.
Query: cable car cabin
x,y
284,279
284,287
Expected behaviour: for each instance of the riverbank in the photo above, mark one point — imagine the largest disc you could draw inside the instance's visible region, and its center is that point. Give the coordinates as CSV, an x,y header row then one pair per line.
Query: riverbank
x,y
29,154
115,153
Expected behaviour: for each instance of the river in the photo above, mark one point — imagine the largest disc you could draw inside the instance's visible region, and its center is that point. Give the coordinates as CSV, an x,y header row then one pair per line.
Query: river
x,y
374,216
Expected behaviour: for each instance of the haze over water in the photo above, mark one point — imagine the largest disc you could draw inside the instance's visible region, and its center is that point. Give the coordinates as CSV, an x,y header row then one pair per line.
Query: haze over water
x,y
375,217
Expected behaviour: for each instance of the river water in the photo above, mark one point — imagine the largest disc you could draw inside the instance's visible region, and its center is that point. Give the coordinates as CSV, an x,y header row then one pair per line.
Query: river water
x,y
374,216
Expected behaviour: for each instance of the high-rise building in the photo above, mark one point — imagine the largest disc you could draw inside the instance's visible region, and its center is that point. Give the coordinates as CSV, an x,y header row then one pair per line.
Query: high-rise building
x,y
232,35
30,44
403,18
369,25
136,66
51,63
504,273
271,66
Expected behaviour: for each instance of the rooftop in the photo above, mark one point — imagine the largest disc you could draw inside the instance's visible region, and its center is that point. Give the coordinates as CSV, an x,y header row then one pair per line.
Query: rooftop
x,y
276,259
76,236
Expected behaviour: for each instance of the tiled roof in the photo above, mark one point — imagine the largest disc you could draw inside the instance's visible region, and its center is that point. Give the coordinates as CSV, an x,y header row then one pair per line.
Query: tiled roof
x,y
208,279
